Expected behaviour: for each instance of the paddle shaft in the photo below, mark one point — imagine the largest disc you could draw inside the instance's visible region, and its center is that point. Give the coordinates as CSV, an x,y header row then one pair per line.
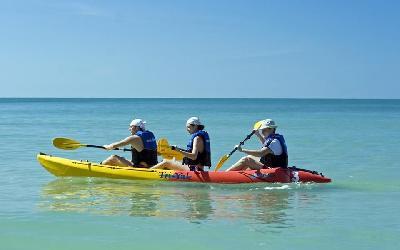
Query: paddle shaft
x,y
177,148
242,142
95,146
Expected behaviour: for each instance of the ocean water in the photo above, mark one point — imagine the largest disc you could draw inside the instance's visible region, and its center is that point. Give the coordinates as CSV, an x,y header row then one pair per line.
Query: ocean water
x,y
355,142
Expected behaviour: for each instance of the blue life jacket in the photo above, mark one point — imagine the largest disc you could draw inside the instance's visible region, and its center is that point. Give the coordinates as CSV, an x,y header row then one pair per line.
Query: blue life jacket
x,y
203,158
148,138
271,160
149,152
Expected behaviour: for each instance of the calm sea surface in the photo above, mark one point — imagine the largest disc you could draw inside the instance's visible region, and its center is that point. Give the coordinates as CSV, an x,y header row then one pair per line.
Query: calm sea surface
x,y
355,142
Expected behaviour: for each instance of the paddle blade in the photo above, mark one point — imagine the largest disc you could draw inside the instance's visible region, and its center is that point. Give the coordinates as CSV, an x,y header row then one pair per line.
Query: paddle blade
x,y
66,143
164,149
221,162
162,145
257,125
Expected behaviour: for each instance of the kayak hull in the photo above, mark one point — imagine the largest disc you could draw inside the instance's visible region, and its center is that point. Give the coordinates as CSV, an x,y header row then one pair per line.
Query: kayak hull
x,y
65,167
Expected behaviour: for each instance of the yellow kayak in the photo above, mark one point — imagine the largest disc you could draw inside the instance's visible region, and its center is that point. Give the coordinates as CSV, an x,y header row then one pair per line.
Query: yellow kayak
x,y
65,167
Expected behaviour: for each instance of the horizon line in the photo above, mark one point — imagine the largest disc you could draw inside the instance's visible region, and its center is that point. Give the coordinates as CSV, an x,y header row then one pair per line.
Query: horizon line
x,y
260,98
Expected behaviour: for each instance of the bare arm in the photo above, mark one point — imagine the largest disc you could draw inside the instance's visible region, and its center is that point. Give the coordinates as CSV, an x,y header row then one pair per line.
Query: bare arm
x,y
258,153
198,144
260,137
133,140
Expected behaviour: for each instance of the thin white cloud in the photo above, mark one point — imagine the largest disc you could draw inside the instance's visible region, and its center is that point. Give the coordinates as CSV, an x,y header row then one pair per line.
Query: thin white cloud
x,y
271,53
83,9
89,10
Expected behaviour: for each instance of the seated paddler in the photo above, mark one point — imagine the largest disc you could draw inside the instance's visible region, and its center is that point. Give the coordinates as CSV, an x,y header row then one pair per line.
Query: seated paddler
x,y
143,145
198,151
273,152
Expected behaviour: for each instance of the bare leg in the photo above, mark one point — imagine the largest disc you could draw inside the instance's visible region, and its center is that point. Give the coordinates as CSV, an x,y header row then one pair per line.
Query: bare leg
x,y
115,160
246,162
172,165
161,165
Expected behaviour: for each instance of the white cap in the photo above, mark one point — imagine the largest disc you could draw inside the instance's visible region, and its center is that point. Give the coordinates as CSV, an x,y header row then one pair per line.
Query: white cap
x,y
268,123
194,121
138,123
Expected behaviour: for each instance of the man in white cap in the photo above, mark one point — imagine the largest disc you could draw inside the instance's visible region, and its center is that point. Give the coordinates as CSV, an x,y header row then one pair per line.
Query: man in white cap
x,y
272,154
143,144
198,152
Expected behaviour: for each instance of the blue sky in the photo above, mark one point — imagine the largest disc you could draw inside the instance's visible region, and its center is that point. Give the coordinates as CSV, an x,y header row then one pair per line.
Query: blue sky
x,y
294,49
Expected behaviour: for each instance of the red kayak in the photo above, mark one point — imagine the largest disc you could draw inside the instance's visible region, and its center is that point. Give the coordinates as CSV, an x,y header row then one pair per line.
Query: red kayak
x,y
283,175
66,167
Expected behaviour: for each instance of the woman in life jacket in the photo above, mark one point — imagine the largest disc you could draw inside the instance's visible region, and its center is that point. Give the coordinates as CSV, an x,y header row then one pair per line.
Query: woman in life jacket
x,y
272,154
197,154
143,144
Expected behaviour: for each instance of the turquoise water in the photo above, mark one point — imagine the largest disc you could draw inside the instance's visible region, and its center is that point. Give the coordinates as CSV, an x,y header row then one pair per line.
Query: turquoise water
x,y
355,142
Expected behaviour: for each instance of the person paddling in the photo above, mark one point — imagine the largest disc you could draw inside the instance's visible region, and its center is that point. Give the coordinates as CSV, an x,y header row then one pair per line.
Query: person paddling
x,y
198,152
272,154
143,144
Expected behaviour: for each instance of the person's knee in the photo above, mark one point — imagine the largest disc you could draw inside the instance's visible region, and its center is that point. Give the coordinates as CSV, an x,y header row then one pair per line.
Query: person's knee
x,y
115,158
245,159
251,160
107,161
166,162
111,159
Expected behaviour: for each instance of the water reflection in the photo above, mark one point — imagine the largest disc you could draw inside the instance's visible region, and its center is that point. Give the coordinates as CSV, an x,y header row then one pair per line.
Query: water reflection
x,y
193,202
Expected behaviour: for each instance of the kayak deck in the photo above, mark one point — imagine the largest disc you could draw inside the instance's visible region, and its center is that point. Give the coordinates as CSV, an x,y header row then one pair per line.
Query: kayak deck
x,y
65,167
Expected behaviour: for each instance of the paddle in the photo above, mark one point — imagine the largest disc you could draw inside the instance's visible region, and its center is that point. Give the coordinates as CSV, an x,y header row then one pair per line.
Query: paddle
x,y
70,144
164,149
224,158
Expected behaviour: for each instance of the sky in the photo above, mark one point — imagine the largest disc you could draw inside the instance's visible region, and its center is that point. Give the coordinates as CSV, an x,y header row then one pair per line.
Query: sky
x,y
241,49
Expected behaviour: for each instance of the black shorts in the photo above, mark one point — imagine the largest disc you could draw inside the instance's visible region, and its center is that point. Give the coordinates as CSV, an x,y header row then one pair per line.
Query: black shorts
x,y
195,168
